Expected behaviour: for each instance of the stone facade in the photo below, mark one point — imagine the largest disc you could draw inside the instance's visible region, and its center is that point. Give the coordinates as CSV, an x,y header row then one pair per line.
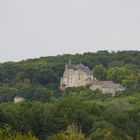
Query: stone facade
x,y
75,76
107,87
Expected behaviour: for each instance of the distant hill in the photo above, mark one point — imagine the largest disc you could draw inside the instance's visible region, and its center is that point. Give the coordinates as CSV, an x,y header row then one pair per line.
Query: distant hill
x,y
46,70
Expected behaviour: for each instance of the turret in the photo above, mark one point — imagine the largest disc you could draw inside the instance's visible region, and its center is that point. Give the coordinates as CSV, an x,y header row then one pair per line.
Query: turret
x,y
69,62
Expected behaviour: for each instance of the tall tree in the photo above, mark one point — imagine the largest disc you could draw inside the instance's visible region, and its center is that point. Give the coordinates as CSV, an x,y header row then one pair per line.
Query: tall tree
x,y
100,72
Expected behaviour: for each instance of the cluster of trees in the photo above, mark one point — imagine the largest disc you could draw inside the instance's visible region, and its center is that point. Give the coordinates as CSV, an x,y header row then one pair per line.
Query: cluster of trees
x,y
125,75
6,133
28,91
72,133
102,117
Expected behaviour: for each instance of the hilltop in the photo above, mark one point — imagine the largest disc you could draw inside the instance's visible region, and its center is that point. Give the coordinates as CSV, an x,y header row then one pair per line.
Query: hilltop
x,y
46,70
50,114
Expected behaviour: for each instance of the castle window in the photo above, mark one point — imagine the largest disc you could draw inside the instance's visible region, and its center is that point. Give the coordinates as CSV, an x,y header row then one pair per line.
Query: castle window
x,y
79,77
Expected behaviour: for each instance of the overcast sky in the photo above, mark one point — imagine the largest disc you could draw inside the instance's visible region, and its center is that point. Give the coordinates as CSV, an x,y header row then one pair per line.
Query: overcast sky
x,y
34,28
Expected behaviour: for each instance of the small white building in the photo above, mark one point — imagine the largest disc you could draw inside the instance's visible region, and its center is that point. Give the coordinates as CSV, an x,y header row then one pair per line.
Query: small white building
x,y
18,99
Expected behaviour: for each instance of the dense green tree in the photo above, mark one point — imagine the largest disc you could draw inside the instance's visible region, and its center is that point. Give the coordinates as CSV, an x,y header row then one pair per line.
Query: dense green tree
x,y
138,136
72,133
21,76
6,133
45,77
100,72
7,93
121,75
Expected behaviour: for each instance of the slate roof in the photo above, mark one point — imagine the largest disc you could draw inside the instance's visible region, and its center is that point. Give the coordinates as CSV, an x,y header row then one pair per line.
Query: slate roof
x,y
69,66
79,67
107,84
82,68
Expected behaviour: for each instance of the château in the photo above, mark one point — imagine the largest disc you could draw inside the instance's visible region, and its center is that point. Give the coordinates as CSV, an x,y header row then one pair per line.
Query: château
x,y
81,75
75,76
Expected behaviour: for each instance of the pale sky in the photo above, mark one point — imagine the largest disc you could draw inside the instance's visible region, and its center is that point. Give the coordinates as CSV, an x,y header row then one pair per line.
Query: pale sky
x,y
35,28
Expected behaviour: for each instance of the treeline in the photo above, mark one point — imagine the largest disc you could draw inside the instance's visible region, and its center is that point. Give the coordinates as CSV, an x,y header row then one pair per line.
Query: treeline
x,y
48,70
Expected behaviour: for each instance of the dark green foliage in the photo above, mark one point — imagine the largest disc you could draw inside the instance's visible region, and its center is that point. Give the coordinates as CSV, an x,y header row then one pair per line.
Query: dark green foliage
x,y
72,133
45,77
7,93
44,119
6,133
100,72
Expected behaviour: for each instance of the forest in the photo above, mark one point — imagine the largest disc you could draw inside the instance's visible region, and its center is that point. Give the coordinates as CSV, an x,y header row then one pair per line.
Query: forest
x,y
75,113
